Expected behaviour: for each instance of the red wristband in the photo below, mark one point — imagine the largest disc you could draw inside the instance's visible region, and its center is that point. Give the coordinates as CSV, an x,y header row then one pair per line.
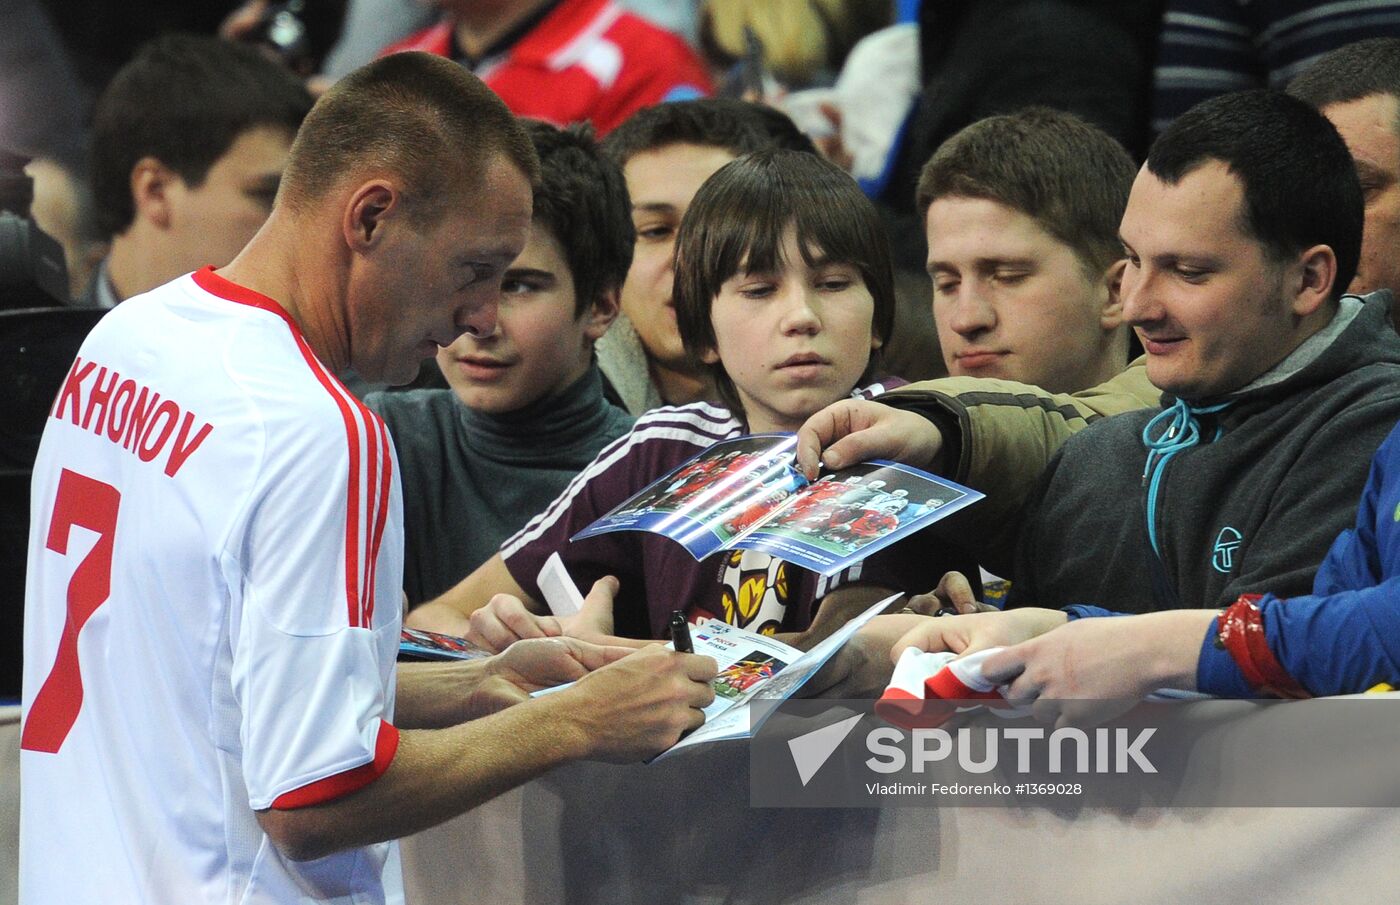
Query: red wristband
x,y
1242,636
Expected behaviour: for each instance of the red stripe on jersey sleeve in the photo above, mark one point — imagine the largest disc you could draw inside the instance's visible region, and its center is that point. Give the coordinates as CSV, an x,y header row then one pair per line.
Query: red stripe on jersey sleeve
x,y
372,466
342,784
352,490
356,572
381,515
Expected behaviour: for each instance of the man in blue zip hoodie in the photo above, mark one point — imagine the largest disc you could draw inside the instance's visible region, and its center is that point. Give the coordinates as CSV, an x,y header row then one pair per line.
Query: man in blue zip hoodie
x,y
1240,233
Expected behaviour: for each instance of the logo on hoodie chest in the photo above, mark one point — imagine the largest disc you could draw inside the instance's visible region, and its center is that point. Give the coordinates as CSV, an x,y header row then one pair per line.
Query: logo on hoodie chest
x,y
1227,543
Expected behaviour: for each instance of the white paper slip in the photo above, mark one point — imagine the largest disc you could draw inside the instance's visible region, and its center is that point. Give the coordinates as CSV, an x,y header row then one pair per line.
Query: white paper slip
x,y
561,595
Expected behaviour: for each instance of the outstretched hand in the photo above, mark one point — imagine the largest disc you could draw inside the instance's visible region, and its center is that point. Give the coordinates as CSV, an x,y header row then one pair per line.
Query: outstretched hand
x,y
855,430
1094,669
977,631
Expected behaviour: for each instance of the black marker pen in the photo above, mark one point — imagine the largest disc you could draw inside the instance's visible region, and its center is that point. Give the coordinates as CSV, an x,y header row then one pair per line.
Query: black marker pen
x,y
680,633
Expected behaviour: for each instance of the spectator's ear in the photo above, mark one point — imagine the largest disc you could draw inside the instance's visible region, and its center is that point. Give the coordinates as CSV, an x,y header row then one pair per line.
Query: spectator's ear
x,y
151,184
601,314
1312,278
1111,317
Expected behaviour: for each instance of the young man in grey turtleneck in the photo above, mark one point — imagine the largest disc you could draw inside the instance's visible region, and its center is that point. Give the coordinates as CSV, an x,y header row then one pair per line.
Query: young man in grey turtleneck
x,y
526,411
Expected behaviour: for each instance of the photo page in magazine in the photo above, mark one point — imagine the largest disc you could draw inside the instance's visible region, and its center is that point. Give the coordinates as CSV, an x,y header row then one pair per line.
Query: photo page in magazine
x,y
747,494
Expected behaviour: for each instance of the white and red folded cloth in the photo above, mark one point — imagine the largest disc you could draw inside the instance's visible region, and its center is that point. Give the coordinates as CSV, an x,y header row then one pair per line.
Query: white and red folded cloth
x,y
926,689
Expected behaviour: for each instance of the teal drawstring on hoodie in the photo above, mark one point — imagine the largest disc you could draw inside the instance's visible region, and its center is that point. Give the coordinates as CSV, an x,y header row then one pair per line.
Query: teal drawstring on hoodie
x,y
1183,431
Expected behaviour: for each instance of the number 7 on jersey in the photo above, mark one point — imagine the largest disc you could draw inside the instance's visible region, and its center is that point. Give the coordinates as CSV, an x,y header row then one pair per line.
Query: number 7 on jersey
x,y
85,503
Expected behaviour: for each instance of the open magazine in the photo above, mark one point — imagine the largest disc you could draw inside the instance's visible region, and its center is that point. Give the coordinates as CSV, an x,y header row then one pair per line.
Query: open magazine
x,y
746,494
754,669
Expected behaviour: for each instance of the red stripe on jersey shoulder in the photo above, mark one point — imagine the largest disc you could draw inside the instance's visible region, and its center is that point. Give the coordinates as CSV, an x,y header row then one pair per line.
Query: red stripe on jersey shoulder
x,y
361,515
342,784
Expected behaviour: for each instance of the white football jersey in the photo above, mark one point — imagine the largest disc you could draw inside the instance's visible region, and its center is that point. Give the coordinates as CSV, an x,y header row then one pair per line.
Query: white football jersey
x,y
212,610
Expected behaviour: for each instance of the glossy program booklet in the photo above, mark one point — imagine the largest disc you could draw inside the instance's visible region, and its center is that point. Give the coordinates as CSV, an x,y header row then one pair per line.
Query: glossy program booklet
x,y
756,673
746,494
754,670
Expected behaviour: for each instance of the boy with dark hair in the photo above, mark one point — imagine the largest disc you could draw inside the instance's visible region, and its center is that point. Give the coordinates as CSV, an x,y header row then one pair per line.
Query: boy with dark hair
x,y
525,412
188,145
735,235
666,152
786,291
1022,216
1357,87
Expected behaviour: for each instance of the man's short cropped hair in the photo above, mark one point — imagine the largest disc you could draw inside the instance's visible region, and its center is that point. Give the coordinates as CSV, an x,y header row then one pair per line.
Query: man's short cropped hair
x,y
738,127
1069,176
1299,180
421,117
1350,73
739,218
184,100
582,200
